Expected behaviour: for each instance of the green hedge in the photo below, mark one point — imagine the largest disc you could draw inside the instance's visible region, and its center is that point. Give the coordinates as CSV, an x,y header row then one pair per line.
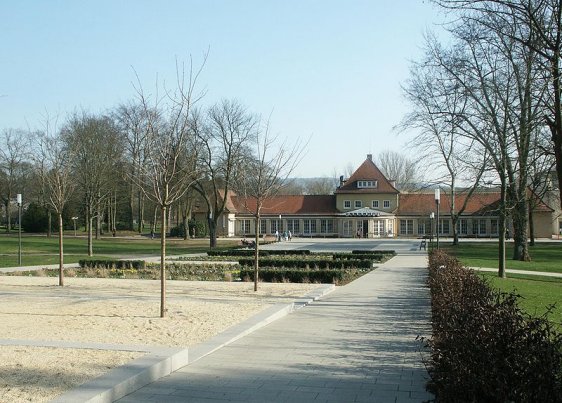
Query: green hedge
x,y
354,256
374,252
112,264
330,276
484,347
235,252
250,252
310,264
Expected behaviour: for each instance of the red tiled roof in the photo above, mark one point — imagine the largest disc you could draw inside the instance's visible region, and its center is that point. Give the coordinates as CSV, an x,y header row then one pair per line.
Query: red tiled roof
x,y
300,204
480,203
367,171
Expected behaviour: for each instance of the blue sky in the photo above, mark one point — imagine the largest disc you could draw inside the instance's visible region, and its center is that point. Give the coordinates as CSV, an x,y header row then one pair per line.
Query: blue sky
x,y
325,70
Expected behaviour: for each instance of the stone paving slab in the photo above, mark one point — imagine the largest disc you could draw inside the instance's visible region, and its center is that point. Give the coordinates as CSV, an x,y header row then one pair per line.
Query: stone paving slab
x,y
161,362
357,344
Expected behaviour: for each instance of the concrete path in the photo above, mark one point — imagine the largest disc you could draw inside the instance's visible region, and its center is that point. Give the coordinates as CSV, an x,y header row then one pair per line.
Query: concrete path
x,y
357,344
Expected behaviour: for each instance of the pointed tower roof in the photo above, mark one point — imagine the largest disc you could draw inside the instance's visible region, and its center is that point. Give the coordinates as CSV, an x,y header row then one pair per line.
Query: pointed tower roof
x,y
368,178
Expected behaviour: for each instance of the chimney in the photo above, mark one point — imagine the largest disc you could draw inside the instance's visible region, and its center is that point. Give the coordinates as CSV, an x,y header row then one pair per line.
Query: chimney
x,y
341,181
392,183
370,157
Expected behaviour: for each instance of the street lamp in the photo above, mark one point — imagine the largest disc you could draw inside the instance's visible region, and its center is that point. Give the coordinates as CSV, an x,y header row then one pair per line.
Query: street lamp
x,y
74,220
19,202
431,218
437,201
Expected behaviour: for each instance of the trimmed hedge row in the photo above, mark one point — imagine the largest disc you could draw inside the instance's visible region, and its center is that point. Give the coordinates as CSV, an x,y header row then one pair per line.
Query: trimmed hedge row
x,y
484,347
374,257
374,252
112,264
250,252
310,264
335,276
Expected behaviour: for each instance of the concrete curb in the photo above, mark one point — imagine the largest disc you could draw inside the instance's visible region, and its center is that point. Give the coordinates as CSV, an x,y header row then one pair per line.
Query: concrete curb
x,y
127,378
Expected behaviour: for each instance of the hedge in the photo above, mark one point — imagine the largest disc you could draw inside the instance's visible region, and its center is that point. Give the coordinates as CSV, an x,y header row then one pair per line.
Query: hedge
x,y
250,252
484,347
374,252
335,276
112,264
374,257
314,264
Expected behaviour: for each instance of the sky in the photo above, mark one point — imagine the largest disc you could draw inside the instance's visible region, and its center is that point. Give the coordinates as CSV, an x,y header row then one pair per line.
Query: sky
x,y
326,72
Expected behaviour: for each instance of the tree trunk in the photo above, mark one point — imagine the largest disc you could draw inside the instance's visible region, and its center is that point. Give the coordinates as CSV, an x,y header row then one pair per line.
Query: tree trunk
x,y
257,255
140,225
90,223
531,225
8,216
61,252
163,264
131,209
50,223
502,229
212,232
520,216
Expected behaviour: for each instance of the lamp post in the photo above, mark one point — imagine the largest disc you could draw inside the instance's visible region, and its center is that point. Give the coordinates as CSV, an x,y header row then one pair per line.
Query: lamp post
x,y
431,218
74,221
19,202
437,201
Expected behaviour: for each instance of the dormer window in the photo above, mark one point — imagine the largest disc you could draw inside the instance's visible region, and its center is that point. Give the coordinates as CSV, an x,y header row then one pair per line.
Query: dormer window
x,y
367,184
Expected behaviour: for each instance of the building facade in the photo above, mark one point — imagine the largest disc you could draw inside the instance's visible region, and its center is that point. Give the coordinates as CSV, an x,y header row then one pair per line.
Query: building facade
x,y
368,205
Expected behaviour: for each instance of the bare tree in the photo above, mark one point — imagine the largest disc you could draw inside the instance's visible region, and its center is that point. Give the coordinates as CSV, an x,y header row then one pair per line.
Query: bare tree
x,y
169,169
496,77
320,186
13,167
131,122
53,164
264,175
536,25
435,107
396,166
222,145
97,149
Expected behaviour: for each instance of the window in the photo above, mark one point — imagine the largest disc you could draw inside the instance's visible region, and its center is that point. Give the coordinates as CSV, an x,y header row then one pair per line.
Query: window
x,y
245,226
407,227
358,204
444,226
293,226
386,204
375,204
275,226
347,204
494,226
424,227
309,226
326,226
366,184
463,223
263,227
482,227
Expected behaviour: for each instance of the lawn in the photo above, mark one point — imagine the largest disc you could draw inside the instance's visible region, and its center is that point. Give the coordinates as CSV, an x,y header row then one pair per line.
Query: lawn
x,y
545,256
38,250
538,293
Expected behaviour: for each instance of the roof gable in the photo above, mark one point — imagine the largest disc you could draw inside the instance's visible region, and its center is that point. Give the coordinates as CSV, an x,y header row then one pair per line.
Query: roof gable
x,y
367,171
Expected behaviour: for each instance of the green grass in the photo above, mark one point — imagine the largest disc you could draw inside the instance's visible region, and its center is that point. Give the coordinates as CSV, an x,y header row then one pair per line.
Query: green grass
x,y
537,293
39,250
546,257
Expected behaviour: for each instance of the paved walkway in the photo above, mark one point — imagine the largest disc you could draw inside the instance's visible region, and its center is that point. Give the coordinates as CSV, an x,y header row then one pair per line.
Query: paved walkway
x,y
357,344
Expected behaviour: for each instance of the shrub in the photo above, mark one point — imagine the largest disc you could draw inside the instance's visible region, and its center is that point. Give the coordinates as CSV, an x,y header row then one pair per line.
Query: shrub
x,y
374,252
112,264
310,263
484,347
273,275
